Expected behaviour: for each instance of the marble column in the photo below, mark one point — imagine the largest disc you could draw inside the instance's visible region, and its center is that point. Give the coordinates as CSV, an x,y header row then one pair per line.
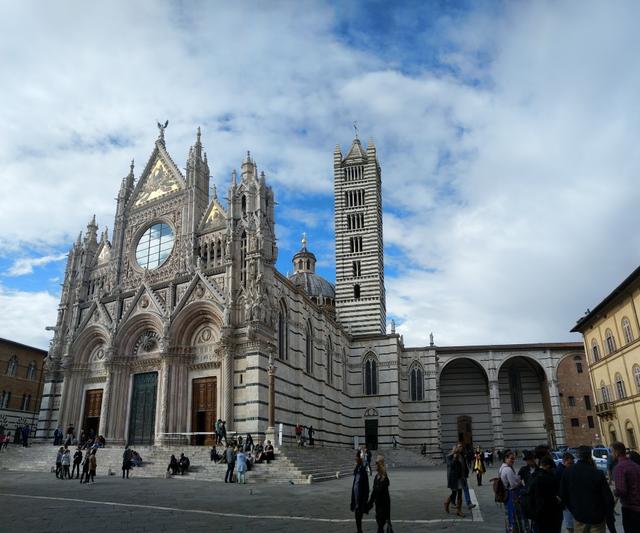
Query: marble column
x,y
228,386
165,369
271,425
106,404
556,413
496,414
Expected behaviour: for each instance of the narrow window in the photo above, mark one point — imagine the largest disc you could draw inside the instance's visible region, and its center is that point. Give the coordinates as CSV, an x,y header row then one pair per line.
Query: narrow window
x,y
345,375
12,366
282,333
244,205
587,402
590,422
620,387
610,341
626,328
517,403
309,350
370,377
356,291
572,401
604,393
243,259
329,362
595,350
416,384
636,376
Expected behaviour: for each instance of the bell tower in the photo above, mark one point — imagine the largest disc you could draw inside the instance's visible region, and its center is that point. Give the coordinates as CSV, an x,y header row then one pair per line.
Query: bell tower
x,y
360,294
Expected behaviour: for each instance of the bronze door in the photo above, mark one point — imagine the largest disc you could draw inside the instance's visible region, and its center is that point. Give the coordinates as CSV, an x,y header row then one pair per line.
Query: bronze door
x,y
143,408
92,409
203,409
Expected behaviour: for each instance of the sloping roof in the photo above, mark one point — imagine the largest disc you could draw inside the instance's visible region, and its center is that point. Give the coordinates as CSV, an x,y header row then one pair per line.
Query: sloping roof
x,y
356,151
595,313
14,343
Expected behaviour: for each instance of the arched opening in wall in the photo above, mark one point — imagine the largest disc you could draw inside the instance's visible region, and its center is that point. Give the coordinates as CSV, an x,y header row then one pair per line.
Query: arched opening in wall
x,y
526,407
464,391
631,436
244,205
283,332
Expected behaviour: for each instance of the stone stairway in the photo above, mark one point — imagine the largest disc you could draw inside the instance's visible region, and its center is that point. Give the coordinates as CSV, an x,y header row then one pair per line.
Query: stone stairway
x,y
292,465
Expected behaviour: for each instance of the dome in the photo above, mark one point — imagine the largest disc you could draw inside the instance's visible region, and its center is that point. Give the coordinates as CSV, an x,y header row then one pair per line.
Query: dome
x,y
314,285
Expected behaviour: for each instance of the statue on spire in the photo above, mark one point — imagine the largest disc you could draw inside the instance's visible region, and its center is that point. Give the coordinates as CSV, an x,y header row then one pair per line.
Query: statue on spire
x,y
355,127
304,240
161,128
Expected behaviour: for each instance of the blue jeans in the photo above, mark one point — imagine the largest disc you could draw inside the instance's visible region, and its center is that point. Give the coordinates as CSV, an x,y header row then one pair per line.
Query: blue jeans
x,y
465,489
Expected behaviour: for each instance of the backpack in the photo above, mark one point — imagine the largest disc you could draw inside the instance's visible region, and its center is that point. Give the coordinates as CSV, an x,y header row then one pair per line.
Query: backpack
x,y
499,490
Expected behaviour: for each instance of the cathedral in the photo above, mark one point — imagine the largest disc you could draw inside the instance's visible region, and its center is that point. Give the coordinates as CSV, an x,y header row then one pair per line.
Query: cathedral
x,y
180,317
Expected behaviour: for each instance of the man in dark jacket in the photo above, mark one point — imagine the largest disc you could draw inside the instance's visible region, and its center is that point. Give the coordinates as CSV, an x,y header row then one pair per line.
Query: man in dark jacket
x,y
585,491
546,506
359,491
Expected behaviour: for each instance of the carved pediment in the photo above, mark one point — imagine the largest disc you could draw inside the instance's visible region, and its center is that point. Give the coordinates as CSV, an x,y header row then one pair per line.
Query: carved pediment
x,y
160,178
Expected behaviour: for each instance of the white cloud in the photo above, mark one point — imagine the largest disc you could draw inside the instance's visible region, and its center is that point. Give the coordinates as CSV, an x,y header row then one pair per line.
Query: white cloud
x,y
25,315
512,198
25,265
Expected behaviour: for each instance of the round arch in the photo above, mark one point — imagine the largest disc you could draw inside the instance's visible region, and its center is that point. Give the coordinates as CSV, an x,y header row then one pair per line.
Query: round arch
x,y
87,341
464,358
128,335
568,355
191,318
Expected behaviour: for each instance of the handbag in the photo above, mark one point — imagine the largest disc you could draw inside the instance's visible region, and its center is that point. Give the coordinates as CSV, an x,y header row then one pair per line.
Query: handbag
x,y
389,528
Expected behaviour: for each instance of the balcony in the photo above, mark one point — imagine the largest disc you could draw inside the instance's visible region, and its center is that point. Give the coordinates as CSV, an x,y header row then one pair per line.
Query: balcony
x,y
606,410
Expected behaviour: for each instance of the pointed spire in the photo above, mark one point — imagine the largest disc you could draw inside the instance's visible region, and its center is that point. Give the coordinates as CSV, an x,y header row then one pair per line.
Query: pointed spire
x,y
248,167
198,135
262,178
131,167
234,177
79,240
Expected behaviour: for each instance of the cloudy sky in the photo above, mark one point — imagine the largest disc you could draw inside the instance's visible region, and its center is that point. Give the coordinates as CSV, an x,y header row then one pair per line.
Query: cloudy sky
x,y
506,132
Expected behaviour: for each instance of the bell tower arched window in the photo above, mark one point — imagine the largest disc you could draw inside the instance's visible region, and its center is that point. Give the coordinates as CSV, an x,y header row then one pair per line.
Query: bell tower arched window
x,y
31,371
370,376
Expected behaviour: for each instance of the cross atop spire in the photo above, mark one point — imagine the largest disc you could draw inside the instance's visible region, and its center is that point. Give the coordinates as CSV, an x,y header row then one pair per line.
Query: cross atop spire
x,y
304,240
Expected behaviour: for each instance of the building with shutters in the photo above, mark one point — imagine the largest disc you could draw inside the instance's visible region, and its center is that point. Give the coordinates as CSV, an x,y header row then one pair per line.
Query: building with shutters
x,y
21,382
611,333
180,317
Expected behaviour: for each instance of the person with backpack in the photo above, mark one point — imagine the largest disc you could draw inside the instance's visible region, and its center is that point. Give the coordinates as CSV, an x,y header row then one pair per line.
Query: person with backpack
x,y
527,474
512,485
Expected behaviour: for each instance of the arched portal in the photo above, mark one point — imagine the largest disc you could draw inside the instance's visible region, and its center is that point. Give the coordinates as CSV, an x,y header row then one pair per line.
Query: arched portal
x,y
465,413
524,401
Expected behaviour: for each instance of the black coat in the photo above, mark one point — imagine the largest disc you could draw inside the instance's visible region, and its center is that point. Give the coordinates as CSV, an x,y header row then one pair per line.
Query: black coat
x,y
455,471
380,497
546,506
586,493
363,489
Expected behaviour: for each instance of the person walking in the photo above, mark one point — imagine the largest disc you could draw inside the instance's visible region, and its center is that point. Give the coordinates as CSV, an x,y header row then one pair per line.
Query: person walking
x,y
57,436
84,477
127,457
241,460
26,431
478,465
359,492
59,455
298,432
380,496
66,463
586,493
455,477
545,504
627,482
77,460
93,465
310,432
231,461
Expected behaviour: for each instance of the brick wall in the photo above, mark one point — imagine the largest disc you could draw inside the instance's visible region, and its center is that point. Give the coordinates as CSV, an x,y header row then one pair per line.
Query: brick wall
x,y
574,386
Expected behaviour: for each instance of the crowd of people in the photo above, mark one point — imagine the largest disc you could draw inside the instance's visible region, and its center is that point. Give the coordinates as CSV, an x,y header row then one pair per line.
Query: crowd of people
x,y
542,497
87,461
240,455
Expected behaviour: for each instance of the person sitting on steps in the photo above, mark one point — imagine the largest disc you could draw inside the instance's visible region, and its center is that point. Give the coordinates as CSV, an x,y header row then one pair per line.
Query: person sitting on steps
x,y
183,463
173,466
268,452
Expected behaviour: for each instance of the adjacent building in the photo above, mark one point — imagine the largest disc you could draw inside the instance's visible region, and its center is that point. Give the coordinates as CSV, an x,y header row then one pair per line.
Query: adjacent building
x,y
180,317
21,382
611,333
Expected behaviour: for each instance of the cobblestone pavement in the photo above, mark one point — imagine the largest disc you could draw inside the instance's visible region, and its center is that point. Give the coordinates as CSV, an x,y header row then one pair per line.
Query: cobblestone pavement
x,y
38,502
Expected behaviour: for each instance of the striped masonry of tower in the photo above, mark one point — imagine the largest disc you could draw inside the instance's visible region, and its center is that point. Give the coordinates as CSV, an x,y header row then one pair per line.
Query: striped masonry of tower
x,y
360,295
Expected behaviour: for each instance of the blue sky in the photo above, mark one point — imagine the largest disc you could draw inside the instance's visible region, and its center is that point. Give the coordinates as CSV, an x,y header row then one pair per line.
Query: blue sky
x,y
506,132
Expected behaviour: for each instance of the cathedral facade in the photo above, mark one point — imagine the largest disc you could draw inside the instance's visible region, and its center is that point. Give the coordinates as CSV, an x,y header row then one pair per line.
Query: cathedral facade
x,y
180,318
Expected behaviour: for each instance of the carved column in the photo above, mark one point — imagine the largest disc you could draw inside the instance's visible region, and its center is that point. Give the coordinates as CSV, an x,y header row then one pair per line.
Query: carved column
x,y
165,368
496,414
556,413
272,395
105,410
227,373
